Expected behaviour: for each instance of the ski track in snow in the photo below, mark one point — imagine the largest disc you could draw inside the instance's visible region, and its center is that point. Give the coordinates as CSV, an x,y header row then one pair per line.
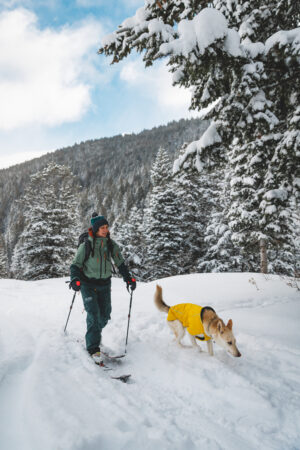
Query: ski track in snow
x,y
52,396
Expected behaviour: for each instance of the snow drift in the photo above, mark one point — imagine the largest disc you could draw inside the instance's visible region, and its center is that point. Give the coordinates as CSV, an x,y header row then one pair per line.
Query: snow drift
x,y
53,397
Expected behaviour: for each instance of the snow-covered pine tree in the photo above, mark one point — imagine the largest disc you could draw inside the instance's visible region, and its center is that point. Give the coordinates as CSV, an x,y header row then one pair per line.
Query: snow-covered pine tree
x,y
49,239
249,159
260,207
3,258
206,61
15,226
163,222
219,59
130,236
296,220
282,182
221,255
117,230
194,203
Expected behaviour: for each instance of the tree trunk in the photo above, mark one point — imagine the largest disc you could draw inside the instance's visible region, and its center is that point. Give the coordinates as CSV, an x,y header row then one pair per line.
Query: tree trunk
x,y
263,256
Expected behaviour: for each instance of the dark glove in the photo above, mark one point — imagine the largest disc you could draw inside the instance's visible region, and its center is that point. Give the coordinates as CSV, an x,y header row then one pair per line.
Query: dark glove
x,y
132,283
75,285
129,280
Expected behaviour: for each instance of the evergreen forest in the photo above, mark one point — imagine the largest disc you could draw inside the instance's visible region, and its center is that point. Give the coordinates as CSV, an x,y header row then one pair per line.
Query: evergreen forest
x,y
215,194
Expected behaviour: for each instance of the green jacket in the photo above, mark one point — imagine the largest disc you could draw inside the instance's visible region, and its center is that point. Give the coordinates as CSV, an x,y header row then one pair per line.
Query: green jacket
x,y
98,266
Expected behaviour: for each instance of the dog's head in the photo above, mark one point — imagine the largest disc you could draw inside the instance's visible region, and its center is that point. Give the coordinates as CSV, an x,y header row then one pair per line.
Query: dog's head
x,y
223,336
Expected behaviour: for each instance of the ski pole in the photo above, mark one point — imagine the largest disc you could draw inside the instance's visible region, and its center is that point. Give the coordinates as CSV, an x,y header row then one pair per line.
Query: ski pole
x,y
128,319
70,311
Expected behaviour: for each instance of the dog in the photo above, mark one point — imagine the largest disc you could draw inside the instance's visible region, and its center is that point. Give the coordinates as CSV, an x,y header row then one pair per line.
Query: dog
x,y
202,323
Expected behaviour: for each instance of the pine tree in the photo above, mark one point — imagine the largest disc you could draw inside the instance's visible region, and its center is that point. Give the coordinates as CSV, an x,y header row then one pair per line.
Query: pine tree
x,y
249,161
129,234
282,186
194,206
49,239
220,255
237,60
163,236
296,221
3,259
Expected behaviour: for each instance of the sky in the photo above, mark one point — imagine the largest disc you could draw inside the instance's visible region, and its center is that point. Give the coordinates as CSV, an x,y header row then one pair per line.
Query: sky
x,y
55,89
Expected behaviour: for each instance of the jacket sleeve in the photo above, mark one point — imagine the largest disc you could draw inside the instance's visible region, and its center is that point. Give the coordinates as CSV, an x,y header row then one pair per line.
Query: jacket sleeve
x,y
77,263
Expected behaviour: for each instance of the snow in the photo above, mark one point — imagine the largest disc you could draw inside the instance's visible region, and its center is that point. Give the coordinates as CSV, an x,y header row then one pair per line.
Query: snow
x,y
232,43
271,209
204,111
209,138
139,18
138,22
202,31
283,38
248,181
280,194
54,397
253,48
142,26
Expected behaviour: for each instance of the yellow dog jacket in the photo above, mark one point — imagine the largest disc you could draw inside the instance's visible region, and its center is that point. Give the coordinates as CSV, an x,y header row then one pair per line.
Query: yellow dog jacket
x,y
190,317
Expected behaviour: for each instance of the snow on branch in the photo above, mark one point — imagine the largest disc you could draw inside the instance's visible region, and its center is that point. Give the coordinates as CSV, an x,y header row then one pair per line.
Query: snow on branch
x,y
139,32
199,33
280,194
193,35
283,38
209,138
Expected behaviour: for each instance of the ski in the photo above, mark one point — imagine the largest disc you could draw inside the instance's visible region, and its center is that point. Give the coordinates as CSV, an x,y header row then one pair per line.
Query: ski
x,y
112,357
124,378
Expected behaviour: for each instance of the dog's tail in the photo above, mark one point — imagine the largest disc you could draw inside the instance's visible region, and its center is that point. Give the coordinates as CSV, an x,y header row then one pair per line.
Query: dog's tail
x,y
158,300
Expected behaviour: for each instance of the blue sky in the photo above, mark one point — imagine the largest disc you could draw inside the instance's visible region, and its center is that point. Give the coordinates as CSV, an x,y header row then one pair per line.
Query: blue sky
x,y
54,88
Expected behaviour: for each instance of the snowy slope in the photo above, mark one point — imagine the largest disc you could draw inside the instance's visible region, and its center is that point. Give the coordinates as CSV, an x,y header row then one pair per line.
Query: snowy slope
x,y
53,397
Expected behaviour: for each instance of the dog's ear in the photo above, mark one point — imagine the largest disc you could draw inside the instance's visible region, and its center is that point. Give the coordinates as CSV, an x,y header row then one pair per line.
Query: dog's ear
x,y
220,325
229,325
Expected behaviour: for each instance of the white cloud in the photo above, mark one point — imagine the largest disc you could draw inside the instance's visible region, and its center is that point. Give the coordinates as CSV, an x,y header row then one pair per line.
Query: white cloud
x,y
156,82
17,158
45,75
32,142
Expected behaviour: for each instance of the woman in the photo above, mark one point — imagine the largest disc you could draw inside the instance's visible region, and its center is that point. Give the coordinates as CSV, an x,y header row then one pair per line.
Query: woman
x,y
93,277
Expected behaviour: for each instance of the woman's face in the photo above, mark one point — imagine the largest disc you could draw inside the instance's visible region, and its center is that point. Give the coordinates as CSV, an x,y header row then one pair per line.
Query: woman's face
x,y
102,231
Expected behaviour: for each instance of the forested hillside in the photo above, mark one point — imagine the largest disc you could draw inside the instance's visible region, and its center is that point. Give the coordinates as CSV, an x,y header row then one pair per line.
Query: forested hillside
x,y
113,174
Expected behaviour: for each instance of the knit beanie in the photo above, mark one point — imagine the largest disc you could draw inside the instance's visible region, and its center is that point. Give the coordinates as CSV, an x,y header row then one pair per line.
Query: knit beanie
x,y
97,222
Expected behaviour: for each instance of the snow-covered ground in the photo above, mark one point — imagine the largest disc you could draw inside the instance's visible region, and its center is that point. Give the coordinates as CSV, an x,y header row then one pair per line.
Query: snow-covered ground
x,y
52,396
